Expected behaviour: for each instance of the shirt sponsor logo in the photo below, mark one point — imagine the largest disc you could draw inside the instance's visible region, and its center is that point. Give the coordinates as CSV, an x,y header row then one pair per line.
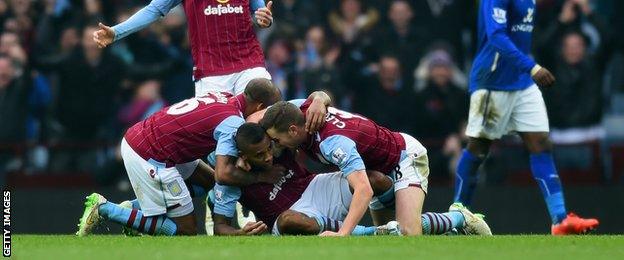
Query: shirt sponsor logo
x,y
223,9
499,15
522,28
277,187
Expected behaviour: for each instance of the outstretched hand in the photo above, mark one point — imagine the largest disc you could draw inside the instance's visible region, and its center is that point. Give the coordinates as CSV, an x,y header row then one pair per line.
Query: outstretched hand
x,y
254,228
104,36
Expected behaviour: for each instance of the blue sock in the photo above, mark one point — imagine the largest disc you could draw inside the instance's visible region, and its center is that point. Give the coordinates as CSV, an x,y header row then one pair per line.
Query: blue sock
x,y
133,218
545,174
363,231
135,204
328,224
466,177
441,223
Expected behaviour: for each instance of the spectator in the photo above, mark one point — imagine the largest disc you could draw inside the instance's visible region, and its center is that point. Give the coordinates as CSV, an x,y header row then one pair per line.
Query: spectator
x,y
385,98
279,65
575,103
400,37
451,21
295,17
89,80
10,46
316,64
352,20
14,92
146,101
444,103
444,112
575,15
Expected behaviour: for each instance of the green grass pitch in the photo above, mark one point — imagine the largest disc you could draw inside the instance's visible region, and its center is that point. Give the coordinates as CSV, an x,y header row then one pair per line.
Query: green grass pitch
x,y
317,248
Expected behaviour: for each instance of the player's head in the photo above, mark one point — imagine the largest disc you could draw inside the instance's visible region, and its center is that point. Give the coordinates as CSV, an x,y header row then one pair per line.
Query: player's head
x,y
259,94
254,145
285,124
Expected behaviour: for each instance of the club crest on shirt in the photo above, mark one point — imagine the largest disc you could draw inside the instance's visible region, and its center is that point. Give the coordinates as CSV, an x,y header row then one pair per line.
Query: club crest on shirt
x,y
499,15
175,188
338,156
218,195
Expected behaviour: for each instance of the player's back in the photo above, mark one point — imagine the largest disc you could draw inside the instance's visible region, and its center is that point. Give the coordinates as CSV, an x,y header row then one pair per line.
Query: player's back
x,y
184,131
379,147
222,37
267,201
491,68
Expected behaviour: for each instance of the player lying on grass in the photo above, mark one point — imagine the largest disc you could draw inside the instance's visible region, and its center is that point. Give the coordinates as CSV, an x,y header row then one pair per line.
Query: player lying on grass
x,y
194,125
324,198
301,203
162,151
356,144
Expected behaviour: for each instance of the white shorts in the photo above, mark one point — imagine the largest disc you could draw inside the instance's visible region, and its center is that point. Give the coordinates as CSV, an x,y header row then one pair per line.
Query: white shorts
x,y
496,113
234,83
159,189
327,195
414,168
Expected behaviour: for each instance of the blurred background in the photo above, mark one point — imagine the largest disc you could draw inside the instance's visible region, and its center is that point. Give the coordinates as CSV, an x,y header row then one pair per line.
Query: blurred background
x,y
64,103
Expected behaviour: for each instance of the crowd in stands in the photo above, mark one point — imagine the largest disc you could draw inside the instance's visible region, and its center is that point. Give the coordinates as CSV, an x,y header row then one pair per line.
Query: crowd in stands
x,y
65,103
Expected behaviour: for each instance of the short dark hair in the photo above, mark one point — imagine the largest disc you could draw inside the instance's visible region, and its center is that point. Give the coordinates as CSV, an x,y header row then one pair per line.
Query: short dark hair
x,y
261,90
249,134
282,115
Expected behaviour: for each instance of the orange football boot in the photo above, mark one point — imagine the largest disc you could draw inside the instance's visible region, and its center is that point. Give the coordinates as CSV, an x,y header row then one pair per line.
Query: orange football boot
x,y
574,225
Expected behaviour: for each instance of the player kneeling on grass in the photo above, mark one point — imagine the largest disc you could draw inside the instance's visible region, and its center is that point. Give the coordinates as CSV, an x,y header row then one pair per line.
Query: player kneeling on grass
x,y
357,145
301,203
162,151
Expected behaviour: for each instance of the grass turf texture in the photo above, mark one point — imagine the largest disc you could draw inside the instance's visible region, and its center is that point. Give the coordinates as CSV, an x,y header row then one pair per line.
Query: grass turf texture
x,y
299,248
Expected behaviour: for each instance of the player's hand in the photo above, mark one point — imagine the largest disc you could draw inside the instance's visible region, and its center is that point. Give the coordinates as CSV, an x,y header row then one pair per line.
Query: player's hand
x,y
254,228
315,116
264,16
543,78
104,36
330,234
243,165
272,175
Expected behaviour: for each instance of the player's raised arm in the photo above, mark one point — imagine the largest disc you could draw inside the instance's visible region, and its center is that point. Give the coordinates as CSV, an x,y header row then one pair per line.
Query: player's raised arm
x,y
141,19
342,152
315,115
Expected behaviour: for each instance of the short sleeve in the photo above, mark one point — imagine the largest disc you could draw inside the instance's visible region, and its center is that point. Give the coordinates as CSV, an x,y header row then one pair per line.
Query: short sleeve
x,y
342,151
224,135
225,198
